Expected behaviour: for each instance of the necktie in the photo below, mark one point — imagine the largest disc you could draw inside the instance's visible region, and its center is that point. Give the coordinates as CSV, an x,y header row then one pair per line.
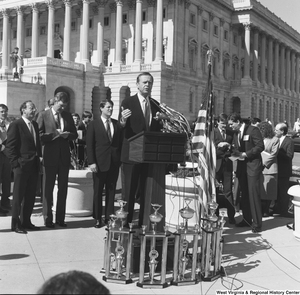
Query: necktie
x,y
224,135
108,130
32,131
57,120
147,113
3,133
240,138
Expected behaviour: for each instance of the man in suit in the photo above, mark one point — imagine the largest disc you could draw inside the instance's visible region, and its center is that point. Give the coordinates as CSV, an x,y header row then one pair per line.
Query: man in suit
x,y
56,127
5,167
223,140
284,161
248,145
78,146
137,115
103,151
23,148
86,119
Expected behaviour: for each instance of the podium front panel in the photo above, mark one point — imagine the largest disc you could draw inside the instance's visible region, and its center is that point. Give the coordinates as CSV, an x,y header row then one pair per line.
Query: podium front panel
x,y
157,147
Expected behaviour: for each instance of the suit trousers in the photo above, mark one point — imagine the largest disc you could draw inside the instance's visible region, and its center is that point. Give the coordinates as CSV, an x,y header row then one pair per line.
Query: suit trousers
x,y
107,179
250,201
49,177
226,200
5,178
23,196
134,182
283,197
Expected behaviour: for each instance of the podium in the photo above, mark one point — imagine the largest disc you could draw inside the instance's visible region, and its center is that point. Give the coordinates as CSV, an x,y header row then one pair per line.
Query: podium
x,y
157,149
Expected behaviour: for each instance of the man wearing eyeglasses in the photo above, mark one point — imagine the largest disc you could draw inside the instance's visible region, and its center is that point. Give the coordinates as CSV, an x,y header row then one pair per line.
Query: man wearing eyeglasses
x,y
23,148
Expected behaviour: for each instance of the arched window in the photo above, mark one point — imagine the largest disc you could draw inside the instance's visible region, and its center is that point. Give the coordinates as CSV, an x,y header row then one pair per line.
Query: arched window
x,y
235,67
193,47
226,63
216,60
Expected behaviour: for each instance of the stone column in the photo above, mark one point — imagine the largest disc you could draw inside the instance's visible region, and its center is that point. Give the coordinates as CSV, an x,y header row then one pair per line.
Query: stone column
x,y
292,70
138,33
5,14
50,45
297,73
185,25
276,65
118,57
270,60
255,55
199,26
100,31
35,31
67,30
282,66
85,31
247,27
221,65
288,69
20,29
263,59
159,31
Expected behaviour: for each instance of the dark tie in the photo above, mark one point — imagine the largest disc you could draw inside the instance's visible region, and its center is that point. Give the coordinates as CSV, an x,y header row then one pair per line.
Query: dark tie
x,y
108,130
224,135
147,113
31,130
3,134
57,120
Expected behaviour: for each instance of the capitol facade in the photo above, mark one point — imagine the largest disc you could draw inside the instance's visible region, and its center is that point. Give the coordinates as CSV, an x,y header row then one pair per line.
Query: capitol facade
x,y
94,49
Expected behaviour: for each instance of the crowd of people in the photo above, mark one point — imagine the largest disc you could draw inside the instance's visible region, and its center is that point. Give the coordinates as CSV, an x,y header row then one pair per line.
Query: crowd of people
x,y
38,147
258,157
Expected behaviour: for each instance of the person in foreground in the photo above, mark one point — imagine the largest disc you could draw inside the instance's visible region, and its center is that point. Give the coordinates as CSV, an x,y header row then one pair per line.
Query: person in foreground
x,y
73,282
248,145
268,191
284,160
137,115
23,148
56,127
103,151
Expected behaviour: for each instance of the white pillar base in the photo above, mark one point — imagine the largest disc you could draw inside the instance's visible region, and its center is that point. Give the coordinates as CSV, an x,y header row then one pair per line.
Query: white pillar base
x,y
295,192
80,194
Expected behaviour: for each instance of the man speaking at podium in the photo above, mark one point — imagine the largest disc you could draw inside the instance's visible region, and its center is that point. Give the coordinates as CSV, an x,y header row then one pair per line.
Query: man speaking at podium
x,y
137,115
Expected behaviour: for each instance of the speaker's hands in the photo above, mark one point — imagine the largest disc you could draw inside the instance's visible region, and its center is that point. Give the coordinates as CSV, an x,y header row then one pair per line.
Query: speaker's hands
x,y
125,114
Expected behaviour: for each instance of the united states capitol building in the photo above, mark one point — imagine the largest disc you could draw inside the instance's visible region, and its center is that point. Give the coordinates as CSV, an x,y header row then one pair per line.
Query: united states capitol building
x,y
94,49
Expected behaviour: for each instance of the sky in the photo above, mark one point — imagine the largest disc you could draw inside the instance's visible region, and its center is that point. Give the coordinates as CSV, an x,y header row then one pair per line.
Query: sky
x,y
287,10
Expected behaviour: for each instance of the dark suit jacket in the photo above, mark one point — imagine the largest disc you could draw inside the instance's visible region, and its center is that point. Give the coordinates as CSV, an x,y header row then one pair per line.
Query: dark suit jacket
x,y
284,157
55,150
252,143
223,152
20,147
99,148
136,122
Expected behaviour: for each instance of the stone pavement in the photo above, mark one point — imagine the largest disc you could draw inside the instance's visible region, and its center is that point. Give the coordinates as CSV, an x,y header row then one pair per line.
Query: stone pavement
x,y
269,260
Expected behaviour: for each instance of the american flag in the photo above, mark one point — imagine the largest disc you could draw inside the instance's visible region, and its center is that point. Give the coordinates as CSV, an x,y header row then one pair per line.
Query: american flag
x,y
203,147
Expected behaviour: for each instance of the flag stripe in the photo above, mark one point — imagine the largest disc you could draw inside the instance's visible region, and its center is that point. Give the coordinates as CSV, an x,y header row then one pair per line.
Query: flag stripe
x,y
203,147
